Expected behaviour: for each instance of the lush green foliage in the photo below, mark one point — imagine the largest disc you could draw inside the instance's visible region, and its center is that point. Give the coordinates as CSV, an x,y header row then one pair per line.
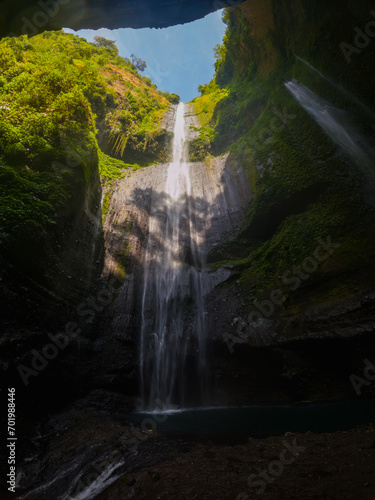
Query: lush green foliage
x,y
111,168
303,190
104,42
172,98
204,107
60,97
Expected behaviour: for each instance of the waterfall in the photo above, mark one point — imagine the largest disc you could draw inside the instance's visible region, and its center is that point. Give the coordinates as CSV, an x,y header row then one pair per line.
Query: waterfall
x,y
334,122
349,95
172,287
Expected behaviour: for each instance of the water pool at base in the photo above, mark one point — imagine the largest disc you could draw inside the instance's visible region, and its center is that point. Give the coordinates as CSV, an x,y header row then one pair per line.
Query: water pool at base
x,y
327,416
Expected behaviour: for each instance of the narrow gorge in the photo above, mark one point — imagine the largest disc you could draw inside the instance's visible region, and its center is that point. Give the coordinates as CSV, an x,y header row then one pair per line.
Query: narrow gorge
x,y
187,289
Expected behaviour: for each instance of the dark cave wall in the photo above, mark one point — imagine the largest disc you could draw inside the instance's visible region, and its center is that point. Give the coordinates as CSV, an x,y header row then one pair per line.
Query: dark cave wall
x,y
46,341
31,17
304,187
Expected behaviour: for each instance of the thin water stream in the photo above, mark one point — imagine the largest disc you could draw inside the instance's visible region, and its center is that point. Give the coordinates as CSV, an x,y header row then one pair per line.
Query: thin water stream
x,y
170,285
335,123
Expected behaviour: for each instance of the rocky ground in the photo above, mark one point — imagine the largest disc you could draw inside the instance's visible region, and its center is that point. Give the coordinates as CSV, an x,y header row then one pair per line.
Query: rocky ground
x,y
333,466
91,451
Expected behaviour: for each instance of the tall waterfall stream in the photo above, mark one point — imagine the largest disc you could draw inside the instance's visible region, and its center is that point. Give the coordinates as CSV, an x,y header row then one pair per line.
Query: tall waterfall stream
x,y
164,343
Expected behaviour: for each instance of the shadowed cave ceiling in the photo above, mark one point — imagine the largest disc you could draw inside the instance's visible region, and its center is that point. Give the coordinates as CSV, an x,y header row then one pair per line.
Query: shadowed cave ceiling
x,y
31,17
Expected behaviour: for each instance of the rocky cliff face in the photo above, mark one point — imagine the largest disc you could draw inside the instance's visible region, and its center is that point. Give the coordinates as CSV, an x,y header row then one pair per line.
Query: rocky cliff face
x,y
300,205
221,194
40,307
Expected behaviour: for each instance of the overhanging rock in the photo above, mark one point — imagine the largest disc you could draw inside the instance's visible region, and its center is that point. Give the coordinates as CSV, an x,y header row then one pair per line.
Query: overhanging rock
x,y
30,17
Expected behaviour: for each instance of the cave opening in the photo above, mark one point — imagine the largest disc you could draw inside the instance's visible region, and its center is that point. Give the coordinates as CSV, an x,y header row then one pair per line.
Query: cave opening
x,y
186,285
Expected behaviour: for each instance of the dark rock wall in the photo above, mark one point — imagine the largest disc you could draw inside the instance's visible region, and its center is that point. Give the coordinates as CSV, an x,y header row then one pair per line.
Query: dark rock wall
x,y
42,299
290,213
31,17
297,171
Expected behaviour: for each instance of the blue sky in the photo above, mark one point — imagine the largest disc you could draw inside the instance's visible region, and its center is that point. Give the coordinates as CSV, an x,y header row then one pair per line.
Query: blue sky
x,y
178,58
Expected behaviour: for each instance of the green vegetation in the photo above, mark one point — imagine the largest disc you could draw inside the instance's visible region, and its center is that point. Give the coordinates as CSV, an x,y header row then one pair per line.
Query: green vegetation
x,y
111,169
303,190
172,97
104,42
204,108
69,110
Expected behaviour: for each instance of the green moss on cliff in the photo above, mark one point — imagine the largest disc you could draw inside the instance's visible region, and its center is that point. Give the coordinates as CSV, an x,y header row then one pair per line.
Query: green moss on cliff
x,y
304,188
60,99
111,169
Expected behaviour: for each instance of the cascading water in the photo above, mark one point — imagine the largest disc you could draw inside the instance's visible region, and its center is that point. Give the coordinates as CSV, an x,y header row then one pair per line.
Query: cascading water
x,y
349,95
334,122
171,286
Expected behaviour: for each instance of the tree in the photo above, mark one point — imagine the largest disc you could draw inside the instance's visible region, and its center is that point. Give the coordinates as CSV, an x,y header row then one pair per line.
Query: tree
x,y
201,89
100,41
138,63
172,98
